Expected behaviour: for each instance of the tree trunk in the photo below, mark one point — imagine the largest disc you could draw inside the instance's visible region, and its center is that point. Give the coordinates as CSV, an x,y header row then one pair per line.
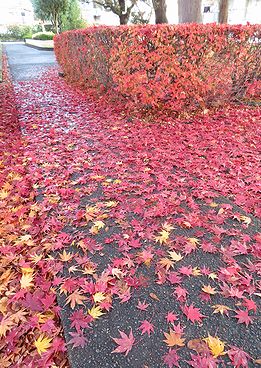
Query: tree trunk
x,y
223,11
160,9
123,19
190,11
56,23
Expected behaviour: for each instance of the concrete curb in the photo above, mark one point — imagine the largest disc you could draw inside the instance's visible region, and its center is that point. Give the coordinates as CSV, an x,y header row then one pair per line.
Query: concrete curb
x,y
40,44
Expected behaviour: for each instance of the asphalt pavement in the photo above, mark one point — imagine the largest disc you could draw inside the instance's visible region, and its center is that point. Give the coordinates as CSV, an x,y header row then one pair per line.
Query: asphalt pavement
x,y
26,62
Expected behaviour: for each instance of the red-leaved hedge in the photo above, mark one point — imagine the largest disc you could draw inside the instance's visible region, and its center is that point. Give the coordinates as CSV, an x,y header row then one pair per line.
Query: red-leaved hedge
x,y
170,67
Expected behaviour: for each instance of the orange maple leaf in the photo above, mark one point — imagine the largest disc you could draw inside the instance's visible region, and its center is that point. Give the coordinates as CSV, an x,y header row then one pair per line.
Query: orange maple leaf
x,y
173,338
75,298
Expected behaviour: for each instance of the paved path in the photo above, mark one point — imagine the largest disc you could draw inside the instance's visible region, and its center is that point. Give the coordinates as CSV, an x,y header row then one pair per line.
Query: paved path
x,y
26,62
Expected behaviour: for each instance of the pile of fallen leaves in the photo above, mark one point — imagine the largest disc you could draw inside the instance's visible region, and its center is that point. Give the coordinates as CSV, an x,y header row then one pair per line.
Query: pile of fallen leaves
x,y
147,234
153,228
29,322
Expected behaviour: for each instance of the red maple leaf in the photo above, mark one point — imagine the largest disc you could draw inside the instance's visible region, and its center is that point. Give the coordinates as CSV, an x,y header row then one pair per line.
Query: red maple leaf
x,y
171,358
238,357
193,314
125,343
243,317
77,339
171,317
142,305
146,326
250,304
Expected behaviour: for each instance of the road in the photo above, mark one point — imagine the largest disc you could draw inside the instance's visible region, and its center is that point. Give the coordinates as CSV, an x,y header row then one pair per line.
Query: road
x,y
26,62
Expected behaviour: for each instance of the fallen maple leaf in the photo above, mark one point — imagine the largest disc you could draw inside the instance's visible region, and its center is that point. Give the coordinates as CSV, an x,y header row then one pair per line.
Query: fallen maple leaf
x,y
146,326
209,289
125,342
95,312
193,314
5,325
171,359
175,256
98,297
243,317
199,345
215,345
238,357
166,262
75,298
222,309
77,340
173,338
42,344
171,317
162,237
142,305
26,280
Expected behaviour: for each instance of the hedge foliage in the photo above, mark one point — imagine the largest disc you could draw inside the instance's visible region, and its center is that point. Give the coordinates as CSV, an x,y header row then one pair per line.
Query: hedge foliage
x,y
170,67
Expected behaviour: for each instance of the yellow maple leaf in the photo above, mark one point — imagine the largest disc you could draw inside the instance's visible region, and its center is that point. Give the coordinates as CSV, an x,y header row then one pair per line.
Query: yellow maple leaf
x,y
209,290
27,270
212,276
246,220
111,204
44,317
194,241
3,194
42,344
196,271
26,280
95,312
65,257
219,308
162,237
213,204
215,345
98,297
97,225
175,256
173,338
23,239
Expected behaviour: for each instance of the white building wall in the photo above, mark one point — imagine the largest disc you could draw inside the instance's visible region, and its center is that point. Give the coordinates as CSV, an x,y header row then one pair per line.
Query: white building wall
x,y
15,12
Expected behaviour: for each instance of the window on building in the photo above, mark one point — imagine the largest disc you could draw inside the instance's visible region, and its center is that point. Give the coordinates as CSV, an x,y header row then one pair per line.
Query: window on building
x,y
206,9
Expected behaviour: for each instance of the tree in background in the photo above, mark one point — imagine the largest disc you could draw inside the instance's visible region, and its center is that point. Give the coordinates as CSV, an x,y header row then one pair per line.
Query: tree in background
x,y
223,11
141,15
51,10
72,18
190,11
122,8
160,9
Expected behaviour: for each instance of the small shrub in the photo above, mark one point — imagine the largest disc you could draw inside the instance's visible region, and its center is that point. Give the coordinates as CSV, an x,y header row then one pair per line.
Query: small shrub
x,y
44,36
16,33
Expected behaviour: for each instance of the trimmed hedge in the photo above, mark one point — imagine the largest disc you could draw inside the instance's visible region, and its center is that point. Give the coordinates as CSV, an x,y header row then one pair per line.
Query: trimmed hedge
x,y
43,36
170,67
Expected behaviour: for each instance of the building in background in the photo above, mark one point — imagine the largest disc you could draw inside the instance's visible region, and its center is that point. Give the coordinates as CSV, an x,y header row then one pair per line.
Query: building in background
x,y
240,12
93,13
15,12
